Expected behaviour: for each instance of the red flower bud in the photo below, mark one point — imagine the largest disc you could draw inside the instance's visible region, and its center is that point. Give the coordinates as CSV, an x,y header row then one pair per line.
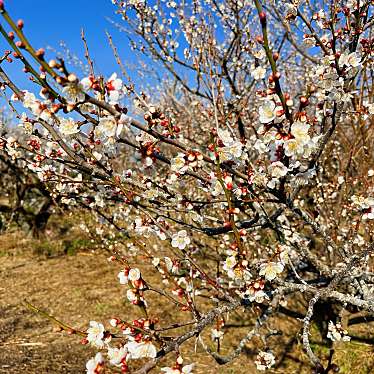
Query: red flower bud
x,y
19,44
1,4
20,24
262,16
304,101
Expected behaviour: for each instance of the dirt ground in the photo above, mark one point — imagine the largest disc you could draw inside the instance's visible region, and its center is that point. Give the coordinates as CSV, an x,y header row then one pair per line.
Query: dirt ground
x,y
76,289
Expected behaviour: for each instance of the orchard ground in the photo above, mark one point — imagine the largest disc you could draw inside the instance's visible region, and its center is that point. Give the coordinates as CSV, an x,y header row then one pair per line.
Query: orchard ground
x,y
73,281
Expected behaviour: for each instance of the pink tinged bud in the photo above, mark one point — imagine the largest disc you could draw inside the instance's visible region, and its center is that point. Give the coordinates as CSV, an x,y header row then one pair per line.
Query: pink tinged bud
x,y
19,44
20,24
1,4
304,101
40,53
11,35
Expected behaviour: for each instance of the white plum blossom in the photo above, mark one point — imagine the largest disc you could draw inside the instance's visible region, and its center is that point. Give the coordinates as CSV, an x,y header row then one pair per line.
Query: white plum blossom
x,y
270,270
229,266
180,239
134,274
131,295
31,102
87,83
264,361
95,334
108,127
95,365
300,131
141,350
366,204
225,136
234,151
350,59
293,147
68,126
267,111
337,333
116,355
258,296
230,262
260,146
258,73
216,188
277,169
114,322
114,88
178,369
74,92
178,164
123,278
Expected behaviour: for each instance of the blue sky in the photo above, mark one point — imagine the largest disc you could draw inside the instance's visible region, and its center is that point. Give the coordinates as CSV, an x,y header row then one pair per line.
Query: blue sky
x,y
48,22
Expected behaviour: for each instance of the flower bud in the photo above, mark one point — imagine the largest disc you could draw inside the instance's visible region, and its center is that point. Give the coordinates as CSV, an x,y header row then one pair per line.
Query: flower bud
x,y
60,80
1,4
312,88
275,56
72,78
11,35
70,107
55,108
40,53
20,24
52,64
259,39
262,16
304,101
19,44
243,232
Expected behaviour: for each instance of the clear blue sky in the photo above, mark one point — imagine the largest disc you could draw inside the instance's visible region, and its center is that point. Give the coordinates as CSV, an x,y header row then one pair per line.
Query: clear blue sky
x,y
48,22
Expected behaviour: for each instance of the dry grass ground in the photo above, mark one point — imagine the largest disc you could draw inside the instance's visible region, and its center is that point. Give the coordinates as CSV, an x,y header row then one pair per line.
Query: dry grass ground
x,y
82,286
